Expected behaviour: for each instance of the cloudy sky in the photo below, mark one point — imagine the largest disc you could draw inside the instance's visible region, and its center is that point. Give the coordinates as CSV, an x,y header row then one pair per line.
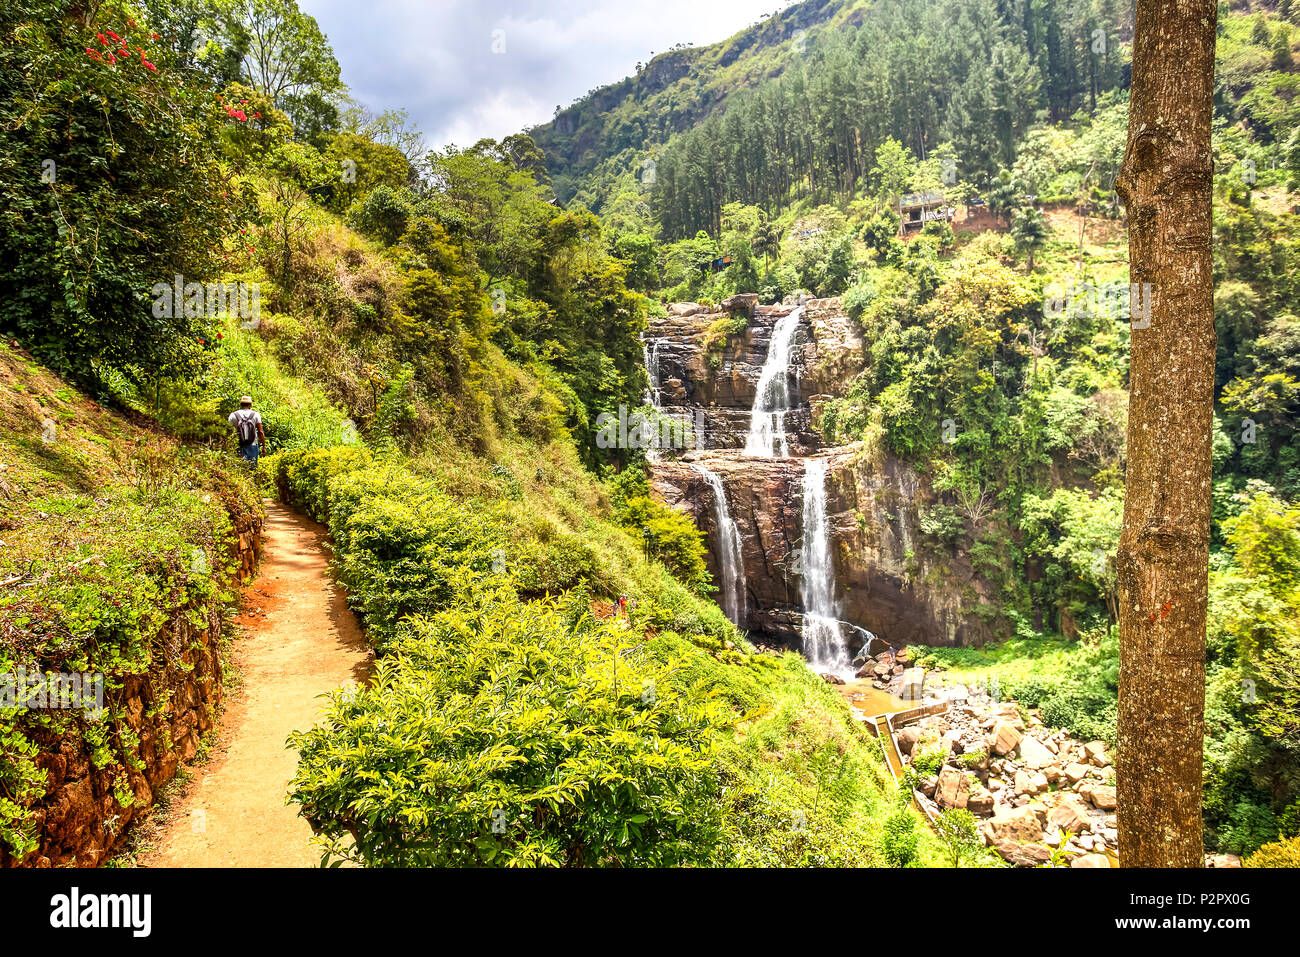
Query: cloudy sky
x,y
436,57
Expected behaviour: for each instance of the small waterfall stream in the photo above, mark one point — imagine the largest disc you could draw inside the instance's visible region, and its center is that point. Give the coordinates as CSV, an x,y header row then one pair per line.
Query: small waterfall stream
x,y
730,560
823,643
772,397
650,356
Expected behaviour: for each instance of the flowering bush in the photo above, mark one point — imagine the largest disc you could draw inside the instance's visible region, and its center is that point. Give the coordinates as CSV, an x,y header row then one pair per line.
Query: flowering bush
x,y
108,188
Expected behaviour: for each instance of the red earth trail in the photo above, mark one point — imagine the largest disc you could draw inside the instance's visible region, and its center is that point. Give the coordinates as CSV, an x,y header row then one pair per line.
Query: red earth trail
x,y
297,639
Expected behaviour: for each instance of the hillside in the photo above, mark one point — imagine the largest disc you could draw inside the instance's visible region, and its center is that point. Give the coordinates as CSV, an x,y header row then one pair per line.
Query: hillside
x,y
765,510
675,90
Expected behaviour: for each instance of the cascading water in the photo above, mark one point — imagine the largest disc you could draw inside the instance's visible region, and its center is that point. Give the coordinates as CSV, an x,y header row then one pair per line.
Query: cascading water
x,y
823,644
650,356
730,559
772,397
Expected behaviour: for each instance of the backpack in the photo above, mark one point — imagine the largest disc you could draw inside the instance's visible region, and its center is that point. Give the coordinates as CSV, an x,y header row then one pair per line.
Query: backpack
x,y
246,426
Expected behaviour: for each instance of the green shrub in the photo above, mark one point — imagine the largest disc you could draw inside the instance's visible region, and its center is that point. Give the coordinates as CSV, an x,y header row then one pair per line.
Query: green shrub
x,y
928,761
510,733
901,840
1277,854
959,833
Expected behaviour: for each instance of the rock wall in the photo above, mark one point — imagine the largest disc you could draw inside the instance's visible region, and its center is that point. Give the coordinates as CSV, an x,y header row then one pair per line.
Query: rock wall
x,y
80,820
887,584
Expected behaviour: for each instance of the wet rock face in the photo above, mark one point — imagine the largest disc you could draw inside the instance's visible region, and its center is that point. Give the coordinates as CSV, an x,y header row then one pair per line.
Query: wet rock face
x,y
873,515
891,584
765,502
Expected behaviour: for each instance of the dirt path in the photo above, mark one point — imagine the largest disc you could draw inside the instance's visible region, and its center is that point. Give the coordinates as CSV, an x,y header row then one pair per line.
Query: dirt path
x,y
299,640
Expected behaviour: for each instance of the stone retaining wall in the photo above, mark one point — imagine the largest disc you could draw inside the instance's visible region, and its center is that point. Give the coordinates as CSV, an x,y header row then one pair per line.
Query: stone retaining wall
x,y
80,820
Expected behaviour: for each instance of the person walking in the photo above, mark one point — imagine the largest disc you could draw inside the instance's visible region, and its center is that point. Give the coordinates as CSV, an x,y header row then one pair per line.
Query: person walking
x,y
247,424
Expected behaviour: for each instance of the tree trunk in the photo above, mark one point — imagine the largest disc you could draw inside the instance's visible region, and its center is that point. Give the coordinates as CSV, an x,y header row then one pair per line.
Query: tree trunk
x,y
1163,557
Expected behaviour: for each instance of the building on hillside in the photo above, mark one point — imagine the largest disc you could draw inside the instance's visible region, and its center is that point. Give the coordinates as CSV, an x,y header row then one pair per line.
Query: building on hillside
x,y
917,209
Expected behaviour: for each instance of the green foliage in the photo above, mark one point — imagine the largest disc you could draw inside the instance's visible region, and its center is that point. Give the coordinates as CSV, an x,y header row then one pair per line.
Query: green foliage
x,y
528,737
900,839
959,834
97,164
667,534
1276,854
118,541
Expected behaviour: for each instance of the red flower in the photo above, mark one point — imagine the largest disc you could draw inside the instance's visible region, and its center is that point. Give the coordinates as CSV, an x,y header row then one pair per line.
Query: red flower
x,y
114,36
111,58
101,38
155,36
149,65
257,116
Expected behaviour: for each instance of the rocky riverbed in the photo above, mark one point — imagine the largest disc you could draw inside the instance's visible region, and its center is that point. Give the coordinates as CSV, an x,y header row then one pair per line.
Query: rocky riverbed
x,y
1037,792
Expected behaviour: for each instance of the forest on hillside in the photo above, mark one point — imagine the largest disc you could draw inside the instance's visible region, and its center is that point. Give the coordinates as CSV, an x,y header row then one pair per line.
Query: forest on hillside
x,y
195,208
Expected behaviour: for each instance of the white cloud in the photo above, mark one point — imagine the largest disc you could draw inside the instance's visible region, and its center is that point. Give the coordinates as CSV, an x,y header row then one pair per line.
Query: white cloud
x,y
436,59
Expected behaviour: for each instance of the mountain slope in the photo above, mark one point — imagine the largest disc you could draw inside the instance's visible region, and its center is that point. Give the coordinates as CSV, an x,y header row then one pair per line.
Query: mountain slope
x,y
677,89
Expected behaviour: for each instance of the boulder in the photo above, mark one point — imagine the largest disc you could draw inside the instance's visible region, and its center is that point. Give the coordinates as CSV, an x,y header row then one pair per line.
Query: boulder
x,y
742,303
1034,754
1091,860
1004,738
1222,860
1016,825
831,679
953,789
980,800
1069,814
1024,855
1096,752
1103,797
1030,782
1074,773
907,738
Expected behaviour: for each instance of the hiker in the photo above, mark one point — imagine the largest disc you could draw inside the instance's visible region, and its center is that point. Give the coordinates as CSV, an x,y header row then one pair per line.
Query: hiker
x,y
248,430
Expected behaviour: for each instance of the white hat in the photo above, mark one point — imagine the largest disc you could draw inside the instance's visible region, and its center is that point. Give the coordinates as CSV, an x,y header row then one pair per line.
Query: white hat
x,y
245,400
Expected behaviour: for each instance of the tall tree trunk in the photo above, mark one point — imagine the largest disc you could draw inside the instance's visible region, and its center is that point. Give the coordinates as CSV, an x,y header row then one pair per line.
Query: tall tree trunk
x,y
1162,564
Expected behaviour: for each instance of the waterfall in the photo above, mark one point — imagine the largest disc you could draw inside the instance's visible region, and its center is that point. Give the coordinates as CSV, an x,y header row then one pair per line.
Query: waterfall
x,y
730,559
650,356
823,645
772,397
